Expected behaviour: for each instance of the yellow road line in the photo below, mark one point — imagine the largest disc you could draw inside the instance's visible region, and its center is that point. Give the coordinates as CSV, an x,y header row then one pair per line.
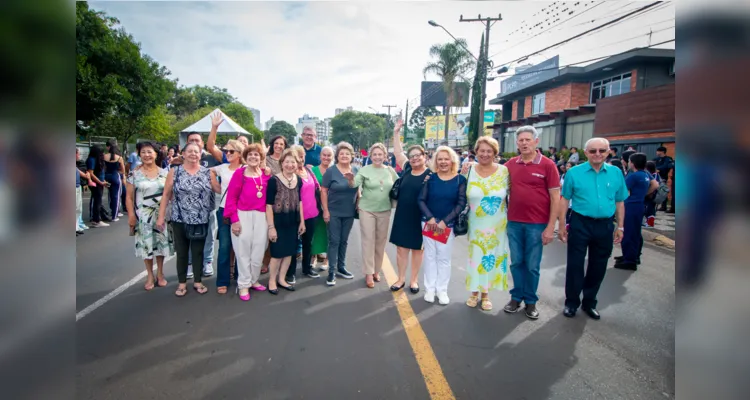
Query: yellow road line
x,y
433,376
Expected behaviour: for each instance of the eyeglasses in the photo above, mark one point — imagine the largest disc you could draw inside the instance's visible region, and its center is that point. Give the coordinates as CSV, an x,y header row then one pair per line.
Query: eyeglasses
x,y
415,155
601,151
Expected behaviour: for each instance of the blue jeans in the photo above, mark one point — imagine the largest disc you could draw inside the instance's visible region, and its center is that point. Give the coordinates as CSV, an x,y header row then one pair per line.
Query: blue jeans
x,y
225,248
526,247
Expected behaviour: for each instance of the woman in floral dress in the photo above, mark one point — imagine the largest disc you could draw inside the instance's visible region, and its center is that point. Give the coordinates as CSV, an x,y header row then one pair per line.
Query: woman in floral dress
x,y
146,185
488,240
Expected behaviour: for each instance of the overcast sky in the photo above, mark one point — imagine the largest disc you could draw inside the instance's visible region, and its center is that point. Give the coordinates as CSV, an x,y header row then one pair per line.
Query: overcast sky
x,y
291,58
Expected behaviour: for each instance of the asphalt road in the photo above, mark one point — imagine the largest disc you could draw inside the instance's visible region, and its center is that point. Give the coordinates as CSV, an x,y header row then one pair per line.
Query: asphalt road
x,y
347,341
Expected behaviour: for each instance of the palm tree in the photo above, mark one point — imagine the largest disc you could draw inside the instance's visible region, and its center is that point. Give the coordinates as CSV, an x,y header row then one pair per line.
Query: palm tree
x,y
452,62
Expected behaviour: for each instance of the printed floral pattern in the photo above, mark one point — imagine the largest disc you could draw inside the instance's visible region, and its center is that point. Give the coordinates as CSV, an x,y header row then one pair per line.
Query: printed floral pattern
x,y
488,240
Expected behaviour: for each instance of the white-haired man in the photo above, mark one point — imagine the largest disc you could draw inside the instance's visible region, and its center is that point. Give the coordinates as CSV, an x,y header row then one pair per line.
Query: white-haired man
x,y
532,214
597,191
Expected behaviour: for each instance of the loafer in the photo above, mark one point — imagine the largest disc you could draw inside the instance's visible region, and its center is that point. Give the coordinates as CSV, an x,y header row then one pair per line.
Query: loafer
x,y
626,266
569,312
531,311
591,312
512,306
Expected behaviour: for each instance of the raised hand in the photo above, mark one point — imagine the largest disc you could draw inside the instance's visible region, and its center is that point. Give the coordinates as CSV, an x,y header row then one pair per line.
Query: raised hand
x,y
398,126
216,119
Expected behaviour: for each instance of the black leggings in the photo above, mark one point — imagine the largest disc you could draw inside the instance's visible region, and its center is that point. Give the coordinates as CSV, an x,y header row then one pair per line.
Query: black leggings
x,y
307,239
95,204
182,246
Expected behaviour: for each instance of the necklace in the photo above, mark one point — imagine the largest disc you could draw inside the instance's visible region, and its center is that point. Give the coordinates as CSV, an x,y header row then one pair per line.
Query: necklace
x,y
258,185
288,180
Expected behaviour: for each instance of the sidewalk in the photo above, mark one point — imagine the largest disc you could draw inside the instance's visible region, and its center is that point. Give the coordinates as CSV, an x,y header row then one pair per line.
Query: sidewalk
x,y
663,232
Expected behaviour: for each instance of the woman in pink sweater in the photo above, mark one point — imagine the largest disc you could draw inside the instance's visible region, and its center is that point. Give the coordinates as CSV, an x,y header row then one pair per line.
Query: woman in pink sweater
x,y
246,210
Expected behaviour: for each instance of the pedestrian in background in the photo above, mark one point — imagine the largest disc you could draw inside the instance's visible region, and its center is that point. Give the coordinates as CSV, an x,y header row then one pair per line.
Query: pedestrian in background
x,y
193,187
597,191
339,202
441,201
245,207
406,233
309,194
650,203
285,219
488,184
532,215
80,227
375,182
144,195
114,169
640,185
95,168
664,164
320,236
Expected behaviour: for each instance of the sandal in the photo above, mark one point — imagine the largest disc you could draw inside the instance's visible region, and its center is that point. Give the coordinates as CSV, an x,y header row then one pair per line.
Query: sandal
x,y
149,286
376,277
200,289
180,292
472,302
159,282
264,270
221,290
486,304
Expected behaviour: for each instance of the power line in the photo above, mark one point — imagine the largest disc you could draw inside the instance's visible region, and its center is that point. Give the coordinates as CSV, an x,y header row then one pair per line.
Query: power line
x,y
644,8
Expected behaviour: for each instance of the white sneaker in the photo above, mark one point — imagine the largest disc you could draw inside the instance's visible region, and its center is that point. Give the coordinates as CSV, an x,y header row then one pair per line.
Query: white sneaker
x,y
443,298
116,219
190,272
429,296
120,214
208,270
99,224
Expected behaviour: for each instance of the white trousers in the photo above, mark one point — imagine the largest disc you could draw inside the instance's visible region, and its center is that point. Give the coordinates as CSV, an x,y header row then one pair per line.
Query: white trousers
x,y
250,246
79,206
437,263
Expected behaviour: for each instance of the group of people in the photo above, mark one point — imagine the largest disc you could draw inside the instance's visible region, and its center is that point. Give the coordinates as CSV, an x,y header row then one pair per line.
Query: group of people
x,y
270,206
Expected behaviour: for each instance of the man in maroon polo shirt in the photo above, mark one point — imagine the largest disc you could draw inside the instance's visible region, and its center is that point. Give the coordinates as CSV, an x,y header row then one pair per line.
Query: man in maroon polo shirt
x,y
533,198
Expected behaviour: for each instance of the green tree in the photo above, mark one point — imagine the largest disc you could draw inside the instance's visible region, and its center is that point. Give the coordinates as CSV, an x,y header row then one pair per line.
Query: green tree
x,y
358,128
451,62
244,117
114,81
182,103
417,119
284,129
212,96
476,121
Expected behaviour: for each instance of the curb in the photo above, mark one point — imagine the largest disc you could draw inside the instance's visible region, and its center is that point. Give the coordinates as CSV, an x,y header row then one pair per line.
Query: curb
x,y
658,239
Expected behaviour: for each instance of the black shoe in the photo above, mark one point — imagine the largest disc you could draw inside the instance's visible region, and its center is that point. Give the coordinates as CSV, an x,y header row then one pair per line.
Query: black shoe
x,y
512,306
531,311
591,312
414,290
619,259
291,280
289,288
626,266
569,312
273,291
312,274
331,280
395,288
342,272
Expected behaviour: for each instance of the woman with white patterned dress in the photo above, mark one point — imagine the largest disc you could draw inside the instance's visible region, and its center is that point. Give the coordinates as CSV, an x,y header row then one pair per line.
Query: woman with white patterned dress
x,y
146,186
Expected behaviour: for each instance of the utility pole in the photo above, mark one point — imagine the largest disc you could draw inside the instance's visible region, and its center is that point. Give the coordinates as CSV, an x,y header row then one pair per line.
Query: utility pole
x,y
488,22
405,129
388,122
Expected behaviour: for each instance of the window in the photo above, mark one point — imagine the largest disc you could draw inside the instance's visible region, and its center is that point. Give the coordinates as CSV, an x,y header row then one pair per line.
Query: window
x,y
609,87
537,104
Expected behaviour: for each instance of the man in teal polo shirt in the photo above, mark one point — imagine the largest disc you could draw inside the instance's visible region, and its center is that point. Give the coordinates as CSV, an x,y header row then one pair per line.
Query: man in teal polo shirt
x,y
597,192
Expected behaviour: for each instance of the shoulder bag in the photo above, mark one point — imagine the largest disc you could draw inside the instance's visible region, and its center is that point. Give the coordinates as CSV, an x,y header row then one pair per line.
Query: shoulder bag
x,y
192,231
461,227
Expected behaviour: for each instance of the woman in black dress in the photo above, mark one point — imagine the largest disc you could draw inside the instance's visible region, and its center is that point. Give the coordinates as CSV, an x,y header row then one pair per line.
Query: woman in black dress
x,y
285,219
406,232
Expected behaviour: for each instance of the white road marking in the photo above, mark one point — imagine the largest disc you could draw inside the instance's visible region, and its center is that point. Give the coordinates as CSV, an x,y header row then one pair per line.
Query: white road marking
x,y
111,295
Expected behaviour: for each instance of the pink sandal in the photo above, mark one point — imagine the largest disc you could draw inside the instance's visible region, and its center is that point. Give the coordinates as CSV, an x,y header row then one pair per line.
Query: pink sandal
x,y
259,288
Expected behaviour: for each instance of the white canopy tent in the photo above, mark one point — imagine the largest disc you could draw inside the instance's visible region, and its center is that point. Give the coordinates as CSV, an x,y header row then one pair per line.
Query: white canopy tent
x,y
228,127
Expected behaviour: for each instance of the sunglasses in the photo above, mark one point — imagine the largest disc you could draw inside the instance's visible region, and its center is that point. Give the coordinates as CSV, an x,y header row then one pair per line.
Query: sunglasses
x,y
415,155
229,151
594,151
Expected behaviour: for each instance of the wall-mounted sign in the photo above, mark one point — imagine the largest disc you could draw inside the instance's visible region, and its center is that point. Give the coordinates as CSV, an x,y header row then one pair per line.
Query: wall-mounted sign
x,y
531,76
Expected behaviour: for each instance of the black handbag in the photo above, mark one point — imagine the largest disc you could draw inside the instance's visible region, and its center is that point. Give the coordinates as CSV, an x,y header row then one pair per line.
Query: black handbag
x,y
461,227
192,231
393,194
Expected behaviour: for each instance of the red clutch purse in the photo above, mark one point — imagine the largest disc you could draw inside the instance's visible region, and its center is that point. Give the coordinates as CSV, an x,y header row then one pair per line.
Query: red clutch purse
x,y
442,238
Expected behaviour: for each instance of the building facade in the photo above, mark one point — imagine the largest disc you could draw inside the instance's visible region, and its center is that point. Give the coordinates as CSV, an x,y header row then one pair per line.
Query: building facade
x,y
627,98
256,118
270,123
340,110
